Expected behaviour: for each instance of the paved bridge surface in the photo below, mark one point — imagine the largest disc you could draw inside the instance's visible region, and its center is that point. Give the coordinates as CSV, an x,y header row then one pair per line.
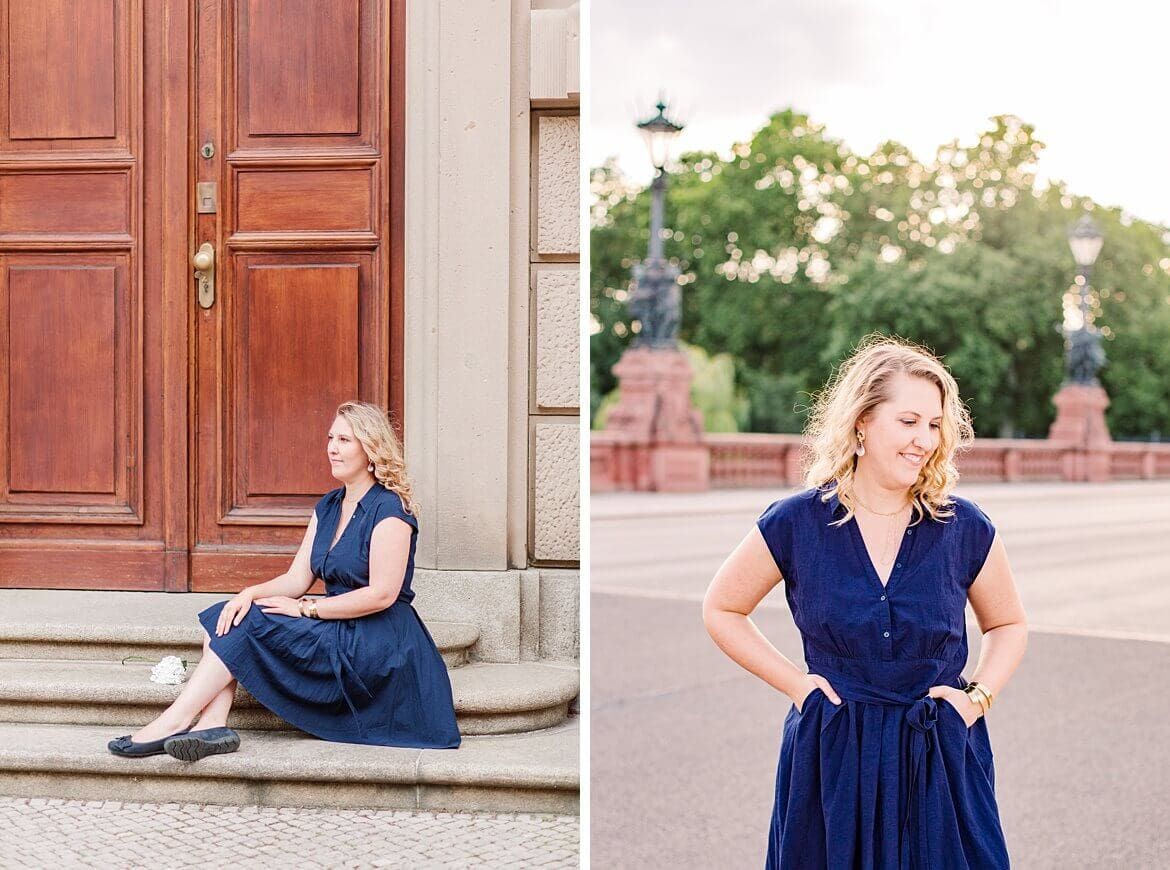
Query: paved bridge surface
x,y
684,743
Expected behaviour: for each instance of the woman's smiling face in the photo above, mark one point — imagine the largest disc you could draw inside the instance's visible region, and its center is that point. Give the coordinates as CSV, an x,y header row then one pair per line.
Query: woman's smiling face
x,y
347,457
902,433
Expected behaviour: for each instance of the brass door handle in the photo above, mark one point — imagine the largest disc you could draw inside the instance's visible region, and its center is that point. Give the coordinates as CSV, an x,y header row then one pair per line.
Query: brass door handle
x,y
204,263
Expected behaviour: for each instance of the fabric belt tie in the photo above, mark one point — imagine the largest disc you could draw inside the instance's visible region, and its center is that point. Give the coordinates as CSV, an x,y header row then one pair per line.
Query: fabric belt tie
x,y
921,715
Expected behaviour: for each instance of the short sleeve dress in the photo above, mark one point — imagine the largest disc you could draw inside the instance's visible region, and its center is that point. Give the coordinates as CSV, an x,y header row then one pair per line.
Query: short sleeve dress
x,y
376,679
890,778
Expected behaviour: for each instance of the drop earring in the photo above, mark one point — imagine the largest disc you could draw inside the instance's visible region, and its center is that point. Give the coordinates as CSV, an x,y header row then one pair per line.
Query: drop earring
x,y
860,443
370,467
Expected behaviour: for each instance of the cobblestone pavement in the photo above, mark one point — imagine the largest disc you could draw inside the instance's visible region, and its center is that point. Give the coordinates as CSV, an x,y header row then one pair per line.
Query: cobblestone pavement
x,y
61,834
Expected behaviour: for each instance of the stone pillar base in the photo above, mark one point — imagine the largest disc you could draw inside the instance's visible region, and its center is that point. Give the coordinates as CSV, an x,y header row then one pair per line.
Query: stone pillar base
x,y
659,431
654,402
1080,424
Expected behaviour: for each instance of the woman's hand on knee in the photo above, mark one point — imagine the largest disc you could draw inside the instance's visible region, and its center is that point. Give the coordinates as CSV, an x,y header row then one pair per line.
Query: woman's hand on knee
x,y
233,612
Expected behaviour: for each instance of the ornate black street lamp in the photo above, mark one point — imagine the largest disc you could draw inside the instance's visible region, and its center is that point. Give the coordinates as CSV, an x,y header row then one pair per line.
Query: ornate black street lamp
x,y
1084,356
655,300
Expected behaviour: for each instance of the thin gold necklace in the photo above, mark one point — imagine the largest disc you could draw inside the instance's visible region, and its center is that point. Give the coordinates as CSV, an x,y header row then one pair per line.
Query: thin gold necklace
x,y
347,503
885,557
872,511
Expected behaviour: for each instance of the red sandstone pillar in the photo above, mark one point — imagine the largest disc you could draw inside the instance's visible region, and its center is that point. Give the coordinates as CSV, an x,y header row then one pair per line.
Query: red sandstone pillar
x,y
1080,423
1012,465
654,412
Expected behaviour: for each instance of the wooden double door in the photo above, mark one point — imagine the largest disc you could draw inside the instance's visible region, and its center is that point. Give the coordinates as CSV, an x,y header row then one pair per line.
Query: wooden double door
x,y
162,429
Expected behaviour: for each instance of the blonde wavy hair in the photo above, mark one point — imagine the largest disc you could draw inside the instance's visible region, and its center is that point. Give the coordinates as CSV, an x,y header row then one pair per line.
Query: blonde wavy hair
x,y
863,382
372,428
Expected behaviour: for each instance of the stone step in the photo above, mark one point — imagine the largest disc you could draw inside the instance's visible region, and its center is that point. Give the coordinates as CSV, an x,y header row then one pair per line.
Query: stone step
x,y
489,698
109,626
532,772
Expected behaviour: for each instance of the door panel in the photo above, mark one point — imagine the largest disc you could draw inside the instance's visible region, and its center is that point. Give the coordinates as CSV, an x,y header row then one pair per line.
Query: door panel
x,y
81,492
298,117
308,73
299,324
71,73
77,382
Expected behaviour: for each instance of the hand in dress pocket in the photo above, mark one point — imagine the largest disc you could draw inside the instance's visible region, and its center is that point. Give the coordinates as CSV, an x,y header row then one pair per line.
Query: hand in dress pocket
x,y
959,700
811,684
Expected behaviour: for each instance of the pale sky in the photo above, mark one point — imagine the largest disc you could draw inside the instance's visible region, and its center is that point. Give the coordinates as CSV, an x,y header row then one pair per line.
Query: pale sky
x,y
1092,78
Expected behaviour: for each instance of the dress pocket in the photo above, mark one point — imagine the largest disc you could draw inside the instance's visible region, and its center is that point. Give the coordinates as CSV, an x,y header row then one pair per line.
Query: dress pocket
x,y
807,699
958,717
980,742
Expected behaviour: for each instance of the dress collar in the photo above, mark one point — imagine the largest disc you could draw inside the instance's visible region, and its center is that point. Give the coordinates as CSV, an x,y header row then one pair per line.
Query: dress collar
x,y
366,502
834,505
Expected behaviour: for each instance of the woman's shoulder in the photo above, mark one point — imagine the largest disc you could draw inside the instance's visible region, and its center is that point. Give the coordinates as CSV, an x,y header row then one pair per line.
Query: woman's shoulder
x,y
390,504
967,509
803,499
971,524
328,499
973,535
785,523
793,506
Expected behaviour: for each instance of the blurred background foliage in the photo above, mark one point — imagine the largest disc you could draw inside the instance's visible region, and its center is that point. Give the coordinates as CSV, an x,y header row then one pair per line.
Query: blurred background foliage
x,y
795,248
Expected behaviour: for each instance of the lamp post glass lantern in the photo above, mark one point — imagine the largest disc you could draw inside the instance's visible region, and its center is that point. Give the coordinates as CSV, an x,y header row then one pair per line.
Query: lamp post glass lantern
x,y
1084,356
655,301
1085,240
659,133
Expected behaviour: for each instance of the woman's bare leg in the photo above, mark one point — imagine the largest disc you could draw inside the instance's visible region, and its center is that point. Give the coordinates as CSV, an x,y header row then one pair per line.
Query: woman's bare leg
x,y
209,680
215,714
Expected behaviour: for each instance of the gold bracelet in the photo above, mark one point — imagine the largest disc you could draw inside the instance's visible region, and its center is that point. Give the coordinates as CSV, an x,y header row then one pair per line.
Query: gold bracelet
x,y
987,692
313,608
301,605
981,700
978,700
979,695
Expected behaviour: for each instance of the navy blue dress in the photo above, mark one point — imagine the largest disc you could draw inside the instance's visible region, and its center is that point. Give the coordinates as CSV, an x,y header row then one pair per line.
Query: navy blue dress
x,y
890,778
376,679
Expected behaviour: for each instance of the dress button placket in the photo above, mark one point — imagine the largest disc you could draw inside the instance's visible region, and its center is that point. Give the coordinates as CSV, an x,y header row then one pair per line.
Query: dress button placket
x,y
886,621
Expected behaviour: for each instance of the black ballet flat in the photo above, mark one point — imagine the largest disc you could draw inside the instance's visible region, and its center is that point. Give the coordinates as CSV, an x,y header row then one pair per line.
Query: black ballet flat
x,y
127,748
192,746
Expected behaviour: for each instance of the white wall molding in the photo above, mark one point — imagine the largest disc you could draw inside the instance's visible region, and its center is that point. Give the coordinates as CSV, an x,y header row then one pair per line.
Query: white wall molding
x,y
555,62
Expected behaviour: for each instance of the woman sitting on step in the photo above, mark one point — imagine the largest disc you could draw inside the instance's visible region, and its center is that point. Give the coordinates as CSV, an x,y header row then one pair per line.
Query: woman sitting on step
x,y
357,666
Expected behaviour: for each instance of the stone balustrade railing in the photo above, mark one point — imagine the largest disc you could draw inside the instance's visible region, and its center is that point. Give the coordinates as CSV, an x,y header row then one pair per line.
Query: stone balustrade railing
x,y
761,460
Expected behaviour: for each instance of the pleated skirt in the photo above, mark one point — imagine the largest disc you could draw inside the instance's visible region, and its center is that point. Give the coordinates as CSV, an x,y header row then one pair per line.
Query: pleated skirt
x,y
377,679
869,785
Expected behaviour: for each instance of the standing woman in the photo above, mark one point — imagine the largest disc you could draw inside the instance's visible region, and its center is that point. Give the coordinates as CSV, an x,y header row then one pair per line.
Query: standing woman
x,y
885,759
357,666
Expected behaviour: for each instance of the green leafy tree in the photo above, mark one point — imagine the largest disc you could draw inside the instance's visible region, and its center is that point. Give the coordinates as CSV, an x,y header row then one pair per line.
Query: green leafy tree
x,y
794,248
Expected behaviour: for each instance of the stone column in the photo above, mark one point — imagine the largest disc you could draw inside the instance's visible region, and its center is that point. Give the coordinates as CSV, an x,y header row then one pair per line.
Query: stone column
x,y
659,428
1080,424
